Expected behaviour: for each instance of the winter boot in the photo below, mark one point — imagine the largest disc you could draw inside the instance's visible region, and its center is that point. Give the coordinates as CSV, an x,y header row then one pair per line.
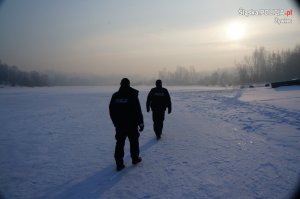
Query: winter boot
x,y
120,167
158,137
136,161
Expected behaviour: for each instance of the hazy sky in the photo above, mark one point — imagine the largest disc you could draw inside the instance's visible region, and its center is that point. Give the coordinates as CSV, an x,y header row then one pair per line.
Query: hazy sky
x,y
139,36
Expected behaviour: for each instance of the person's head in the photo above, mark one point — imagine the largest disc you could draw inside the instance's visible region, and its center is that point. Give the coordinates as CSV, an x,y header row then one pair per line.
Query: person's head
x,y
158,83
125,82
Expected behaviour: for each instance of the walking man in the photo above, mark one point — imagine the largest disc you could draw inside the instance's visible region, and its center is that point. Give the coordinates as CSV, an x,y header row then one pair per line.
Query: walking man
x,y
126,115
159,100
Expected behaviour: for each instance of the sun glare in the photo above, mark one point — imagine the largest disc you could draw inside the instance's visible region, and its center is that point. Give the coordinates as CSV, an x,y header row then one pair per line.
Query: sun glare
x,y
235,31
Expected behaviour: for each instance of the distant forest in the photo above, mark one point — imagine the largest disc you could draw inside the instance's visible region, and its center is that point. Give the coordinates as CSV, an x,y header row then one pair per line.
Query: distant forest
x,y
13,76
261,67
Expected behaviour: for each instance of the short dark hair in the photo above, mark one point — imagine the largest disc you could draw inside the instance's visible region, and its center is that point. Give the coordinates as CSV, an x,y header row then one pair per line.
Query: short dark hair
x,y
158,82
125,82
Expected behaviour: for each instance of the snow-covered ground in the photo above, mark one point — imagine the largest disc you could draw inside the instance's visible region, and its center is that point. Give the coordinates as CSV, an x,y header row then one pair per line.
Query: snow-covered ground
x,y
58,143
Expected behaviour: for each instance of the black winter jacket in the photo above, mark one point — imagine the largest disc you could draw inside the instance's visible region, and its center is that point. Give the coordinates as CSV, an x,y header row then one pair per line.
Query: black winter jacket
x,y
159,99
125,109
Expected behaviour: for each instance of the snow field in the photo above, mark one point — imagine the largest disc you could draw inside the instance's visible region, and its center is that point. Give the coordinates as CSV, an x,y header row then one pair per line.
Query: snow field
x,y
218,143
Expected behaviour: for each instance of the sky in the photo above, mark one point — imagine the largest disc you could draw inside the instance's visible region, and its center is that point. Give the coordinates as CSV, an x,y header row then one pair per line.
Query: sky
x,y
106,37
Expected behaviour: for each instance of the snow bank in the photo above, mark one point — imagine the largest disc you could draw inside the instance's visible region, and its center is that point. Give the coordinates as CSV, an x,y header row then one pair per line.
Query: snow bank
x,y
285,97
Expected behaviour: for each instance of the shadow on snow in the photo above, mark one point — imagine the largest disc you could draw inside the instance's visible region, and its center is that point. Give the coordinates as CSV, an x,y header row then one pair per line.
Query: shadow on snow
x,y
94,186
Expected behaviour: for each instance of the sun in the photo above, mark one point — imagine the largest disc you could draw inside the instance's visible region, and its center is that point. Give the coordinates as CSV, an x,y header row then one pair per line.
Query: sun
x,y
235,31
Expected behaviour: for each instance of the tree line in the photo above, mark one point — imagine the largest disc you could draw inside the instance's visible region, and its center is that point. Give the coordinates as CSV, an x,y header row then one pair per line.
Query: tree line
x,y
261,67
13,76
189,76
264,66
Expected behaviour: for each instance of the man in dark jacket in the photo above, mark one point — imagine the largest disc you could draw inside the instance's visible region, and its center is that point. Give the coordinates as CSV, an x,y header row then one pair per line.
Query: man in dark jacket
x,y
126,115
159,100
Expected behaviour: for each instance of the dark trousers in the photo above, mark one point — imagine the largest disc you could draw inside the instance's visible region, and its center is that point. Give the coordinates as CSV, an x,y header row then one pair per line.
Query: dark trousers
x,y
133,136
158,121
